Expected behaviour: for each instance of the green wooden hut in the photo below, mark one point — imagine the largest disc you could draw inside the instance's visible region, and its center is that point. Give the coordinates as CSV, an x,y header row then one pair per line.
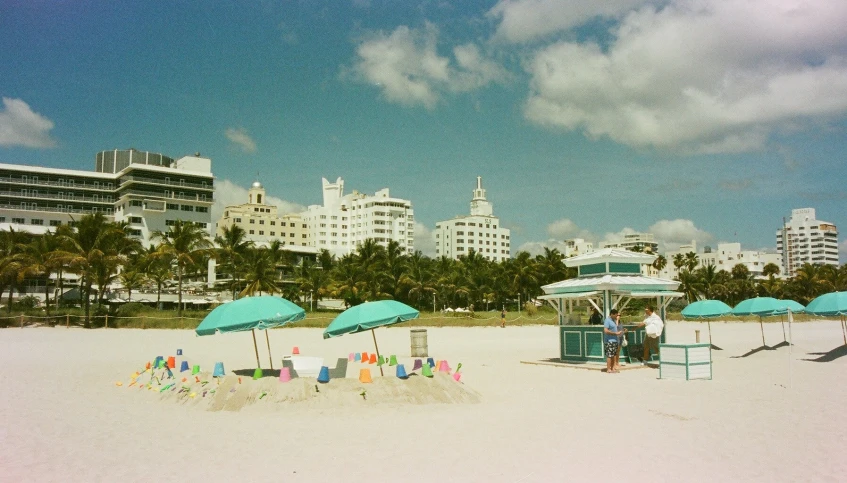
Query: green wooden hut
x,y
607,279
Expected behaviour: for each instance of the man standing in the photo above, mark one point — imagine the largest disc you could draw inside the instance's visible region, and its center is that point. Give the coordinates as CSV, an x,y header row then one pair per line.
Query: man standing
x,y
653,326
503,318
610,340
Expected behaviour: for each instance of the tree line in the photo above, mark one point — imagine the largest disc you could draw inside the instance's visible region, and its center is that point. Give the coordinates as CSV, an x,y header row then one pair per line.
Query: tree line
x,y
100,252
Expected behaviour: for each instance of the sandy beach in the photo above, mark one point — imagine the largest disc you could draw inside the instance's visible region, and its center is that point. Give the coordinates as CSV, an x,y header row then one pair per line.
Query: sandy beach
x,y
65,419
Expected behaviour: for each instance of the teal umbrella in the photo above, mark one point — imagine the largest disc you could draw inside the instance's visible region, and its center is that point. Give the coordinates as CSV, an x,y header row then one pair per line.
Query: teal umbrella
x,y
707,309
761,307
250,313
830,305
368,316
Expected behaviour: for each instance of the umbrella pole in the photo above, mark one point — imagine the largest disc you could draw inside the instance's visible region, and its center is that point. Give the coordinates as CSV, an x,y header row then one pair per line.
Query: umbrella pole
x,y
270,357
782,319
762,327
377,352
256,348
843,331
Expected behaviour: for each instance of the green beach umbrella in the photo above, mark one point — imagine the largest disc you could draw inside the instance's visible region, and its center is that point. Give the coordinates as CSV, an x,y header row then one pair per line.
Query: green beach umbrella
x,y
707,309
761,307
830,305
369,316
250,313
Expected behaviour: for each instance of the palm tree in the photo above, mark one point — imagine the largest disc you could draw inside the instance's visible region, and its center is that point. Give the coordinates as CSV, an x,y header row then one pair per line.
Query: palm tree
x,y
131,279
187,245
348,282
660,263
11,269
259,272
90,245
232,246
417,280
38,259
158,270
809,281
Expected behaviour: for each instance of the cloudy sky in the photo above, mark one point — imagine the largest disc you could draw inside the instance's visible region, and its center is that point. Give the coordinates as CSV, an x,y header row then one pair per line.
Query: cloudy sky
x,y
700,119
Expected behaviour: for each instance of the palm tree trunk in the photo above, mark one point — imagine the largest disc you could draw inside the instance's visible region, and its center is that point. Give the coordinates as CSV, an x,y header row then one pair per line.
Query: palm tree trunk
x,y
179,289
158,294
47,296
87,304
11,289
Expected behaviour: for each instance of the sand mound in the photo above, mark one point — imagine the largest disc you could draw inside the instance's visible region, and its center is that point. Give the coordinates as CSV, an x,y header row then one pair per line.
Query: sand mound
x,y
233,393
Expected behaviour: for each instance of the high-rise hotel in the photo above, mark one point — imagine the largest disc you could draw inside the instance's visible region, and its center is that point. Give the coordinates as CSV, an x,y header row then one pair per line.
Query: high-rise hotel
x,y
805,239
479,232
148,190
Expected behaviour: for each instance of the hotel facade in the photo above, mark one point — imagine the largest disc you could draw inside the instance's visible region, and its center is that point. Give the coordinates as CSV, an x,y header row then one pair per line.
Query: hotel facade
x,y
262,223
480,232
805,239
149,191
344,222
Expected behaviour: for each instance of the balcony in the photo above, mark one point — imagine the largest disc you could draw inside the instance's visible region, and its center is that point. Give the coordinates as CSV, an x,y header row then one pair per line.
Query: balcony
x,y
52,196
105,185
125,180
53,209
170,196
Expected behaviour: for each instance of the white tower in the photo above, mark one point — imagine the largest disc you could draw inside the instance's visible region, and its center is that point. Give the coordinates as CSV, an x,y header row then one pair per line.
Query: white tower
x,y
479,205
256,194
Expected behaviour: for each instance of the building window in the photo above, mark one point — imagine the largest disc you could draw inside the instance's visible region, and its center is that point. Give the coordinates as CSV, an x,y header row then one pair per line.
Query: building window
x,y
135,203
202,209
186,208
261,222
252,221
273,223
171,206
170,222
52,222
261,232
134,232
36,221
282,223
273,233
135,220
251,232
18,220
238,220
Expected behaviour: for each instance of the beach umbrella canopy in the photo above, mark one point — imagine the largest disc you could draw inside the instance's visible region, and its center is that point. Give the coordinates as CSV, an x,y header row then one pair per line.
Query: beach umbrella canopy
x,y
761,306
706,309
795,307
370,315
263,312
250,313
830,305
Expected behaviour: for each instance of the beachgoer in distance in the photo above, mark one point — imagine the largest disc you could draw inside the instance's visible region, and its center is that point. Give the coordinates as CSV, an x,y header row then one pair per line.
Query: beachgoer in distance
x,y
503,318
596,318
610,340
653,326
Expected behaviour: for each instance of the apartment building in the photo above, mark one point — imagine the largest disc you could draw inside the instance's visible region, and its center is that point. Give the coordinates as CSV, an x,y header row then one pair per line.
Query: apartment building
x,y
480,231
805,239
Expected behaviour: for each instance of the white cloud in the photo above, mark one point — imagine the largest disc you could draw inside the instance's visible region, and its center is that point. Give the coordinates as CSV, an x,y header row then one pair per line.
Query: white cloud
x,y
424,239
669,234
672,233
527,20
228,193
240,138
566,229
697,75
406,66
20,126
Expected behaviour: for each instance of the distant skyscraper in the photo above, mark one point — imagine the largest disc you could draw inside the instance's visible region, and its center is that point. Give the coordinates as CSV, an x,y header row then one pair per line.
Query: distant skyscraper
x,y
343,222
480,231
805,239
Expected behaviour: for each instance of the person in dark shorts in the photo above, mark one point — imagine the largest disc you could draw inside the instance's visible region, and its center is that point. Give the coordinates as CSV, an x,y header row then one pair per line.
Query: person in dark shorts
x,y
596,318
611,339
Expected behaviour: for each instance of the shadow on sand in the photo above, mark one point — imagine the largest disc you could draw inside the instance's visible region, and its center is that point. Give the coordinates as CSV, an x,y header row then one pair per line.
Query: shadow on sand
x,y
784,343
249,372
757,349
830,356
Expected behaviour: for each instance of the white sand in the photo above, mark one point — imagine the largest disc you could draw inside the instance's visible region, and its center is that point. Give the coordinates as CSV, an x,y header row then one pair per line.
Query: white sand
x,y
63,418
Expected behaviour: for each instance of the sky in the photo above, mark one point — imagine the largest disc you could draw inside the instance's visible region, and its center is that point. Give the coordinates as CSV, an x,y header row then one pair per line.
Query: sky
x,y
697,120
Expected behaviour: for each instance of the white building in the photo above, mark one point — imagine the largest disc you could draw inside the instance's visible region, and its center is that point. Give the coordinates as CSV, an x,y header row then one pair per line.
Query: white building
x,y
262,223
576,247
805,239
634,242
148,190
725,257
343,222
480,232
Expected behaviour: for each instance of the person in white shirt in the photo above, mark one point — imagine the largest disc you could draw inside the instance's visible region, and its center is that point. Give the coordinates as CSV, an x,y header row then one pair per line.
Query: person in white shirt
x,y
653,326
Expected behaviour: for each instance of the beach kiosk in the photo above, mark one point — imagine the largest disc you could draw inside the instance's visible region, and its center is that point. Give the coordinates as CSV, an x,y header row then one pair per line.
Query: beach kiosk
x,y
607,279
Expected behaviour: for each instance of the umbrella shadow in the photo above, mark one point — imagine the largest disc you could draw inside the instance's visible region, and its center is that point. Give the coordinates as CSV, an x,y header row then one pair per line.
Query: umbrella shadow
x,y
714,347
830,356
784,343
757,349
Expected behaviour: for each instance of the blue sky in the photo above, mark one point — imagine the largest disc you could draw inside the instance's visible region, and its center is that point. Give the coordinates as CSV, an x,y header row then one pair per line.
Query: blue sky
x,y
700,119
